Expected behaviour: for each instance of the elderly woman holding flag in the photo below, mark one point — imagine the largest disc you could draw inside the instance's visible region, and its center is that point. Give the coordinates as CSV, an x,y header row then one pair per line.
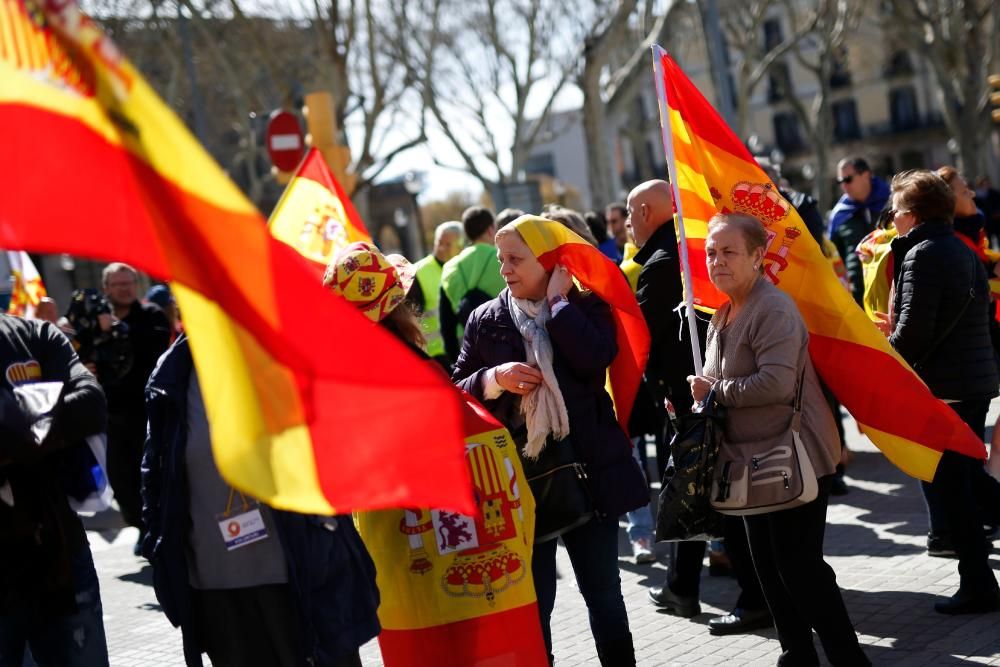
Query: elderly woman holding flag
x,y
758,366
537,356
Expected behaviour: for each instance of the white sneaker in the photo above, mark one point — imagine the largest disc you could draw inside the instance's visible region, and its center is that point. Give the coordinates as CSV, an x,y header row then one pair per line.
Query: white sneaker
x,y
642,551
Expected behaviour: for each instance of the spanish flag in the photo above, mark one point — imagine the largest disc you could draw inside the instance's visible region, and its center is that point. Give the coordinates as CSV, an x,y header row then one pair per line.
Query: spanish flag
x,y
457,589
311,408
554,243
315,216
712,171
28,290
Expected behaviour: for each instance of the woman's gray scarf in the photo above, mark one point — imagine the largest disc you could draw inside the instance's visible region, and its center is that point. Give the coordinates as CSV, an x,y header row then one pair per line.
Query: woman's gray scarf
x,y
544,408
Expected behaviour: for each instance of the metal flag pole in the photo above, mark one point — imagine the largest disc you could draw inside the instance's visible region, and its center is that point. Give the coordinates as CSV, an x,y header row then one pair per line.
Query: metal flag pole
x,y
668,147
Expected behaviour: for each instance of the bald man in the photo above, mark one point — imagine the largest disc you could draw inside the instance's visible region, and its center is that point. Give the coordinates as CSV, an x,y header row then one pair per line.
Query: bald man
x,y
659,290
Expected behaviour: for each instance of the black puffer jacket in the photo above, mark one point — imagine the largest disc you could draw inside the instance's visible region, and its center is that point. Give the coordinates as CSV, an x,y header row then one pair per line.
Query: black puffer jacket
x,y
934,273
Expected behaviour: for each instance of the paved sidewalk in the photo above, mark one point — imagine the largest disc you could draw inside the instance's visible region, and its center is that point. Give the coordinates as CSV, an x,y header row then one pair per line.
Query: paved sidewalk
x,y
875,542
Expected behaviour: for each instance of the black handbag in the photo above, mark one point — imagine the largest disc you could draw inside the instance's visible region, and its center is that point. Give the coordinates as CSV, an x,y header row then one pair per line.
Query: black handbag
x,y
558,482
684,510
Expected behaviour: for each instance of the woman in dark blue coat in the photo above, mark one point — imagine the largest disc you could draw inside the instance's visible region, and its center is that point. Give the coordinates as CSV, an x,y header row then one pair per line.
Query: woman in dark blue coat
x,y
556,400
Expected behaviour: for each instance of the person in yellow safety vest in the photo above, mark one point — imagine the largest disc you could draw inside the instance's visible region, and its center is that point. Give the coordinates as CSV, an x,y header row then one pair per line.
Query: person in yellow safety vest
x,y
425,295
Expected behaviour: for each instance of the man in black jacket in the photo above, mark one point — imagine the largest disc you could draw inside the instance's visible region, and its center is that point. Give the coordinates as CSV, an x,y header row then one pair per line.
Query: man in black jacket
x,y
149,336
50,600
659,291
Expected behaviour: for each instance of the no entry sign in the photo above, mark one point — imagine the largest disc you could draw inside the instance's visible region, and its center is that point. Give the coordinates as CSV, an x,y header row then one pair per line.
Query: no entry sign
x,y
284,140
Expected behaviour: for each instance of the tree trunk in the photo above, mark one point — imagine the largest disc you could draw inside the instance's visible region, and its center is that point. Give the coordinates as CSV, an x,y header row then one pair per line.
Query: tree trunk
x,y
594,122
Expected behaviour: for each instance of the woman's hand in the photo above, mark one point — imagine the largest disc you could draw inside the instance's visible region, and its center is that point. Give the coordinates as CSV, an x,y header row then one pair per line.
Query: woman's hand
x,y
883,323
518,378
700,386
560,282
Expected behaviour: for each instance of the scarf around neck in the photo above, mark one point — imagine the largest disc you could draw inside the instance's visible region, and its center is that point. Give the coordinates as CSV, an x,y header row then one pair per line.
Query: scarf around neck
x,y
544,409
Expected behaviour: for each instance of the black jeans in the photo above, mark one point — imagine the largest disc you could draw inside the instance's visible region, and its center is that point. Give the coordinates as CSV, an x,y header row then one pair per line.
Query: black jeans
x,y
800,587
126,438
593,550
963,496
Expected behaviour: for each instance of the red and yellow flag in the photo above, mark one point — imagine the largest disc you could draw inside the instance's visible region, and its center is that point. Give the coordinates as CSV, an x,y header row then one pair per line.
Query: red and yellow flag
x,y
715,172
456,589
553,243
311,408
27,290
315,216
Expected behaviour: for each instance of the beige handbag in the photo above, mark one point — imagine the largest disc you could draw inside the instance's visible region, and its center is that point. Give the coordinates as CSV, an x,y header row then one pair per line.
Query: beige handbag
x,y
765,475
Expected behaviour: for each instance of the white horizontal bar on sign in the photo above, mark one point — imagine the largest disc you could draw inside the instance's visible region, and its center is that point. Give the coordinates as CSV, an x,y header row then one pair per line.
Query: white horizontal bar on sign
x,y
285,142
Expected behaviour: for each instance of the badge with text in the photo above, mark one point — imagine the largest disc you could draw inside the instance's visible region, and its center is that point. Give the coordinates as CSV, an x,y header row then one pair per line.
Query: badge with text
x,y
243,527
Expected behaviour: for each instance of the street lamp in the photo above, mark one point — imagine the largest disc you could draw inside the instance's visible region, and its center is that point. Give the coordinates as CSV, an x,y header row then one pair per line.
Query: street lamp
x,y
413,182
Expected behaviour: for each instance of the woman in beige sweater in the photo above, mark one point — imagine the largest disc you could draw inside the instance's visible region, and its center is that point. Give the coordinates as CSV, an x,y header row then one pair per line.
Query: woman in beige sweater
x,y
757,350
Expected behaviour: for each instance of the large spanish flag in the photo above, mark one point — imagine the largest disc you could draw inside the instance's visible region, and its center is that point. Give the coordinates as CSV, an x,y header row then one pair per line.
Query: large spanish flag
x,y
457,589
554,243
315,216
311,408
712,171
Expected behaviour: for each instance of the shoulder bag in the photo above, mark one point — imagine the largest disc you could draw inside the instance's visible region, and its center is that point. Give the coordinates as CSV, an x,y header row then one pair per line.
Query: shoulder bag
x,y
766,475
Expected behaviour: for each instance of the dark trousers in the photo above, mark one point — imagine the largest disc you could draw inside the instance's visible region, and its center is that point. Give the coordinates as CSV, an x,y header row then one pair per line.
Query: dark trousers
x,y
126,438
961,499
985,491
738,550
593,551
73,640
257,625
800,587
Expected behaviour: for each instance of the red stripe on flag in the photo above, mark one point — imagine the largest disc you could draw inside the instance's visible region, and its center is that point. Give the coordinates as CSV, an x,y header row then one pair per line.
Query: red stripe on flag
x,y
887,405
510,638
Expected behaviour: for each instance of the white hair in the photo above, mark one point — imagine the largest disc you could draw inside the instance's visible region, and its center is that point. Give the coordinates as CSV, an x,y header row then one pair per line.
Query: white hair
x,y
451,227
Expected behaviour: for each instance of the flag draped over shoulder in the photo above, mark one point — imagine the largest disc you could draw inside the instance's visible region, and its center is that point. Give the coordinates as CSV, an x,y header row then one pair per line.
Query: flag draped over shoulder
x,y
27,290
297,384
315,216
553,243
458,590
715,172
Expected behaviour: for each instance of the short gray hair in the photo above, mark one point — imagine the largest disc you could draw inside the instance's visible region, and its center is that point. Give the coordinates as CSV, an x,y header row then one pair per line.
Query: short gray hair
x,y
116,267
450,227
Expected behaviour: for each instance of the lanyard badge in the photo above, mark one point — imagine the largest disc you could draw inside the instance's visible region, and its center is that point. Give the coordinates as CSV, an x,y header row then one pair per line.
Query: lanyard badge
x,y
242,528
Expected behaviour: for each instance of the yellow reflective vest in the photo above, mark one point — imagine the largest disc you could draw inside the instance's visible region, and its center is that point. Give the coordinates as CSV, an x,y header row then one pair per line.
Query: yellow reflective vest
x,y
428,272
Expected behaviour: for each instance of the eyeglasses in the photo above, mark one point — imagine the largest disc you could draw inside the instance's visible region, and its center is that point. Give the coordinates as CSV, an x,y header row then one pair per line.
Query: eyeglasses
x,y
890,215
844,180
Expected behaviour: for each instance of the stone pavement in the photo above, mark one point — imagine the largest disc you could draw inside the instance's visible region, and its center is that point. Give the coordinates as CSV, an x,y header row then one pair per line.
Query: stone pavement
x,y
875,542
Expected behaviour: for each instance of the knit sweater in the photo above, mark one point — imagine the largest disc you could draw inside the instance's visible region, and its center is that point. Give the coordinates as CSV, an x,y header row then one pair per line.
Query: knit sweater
x,y
757,360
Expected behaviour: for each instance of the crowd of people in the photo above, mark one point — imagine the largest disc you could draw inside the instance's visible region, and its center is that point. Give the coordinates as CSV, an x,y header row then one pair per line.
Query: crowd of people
x,y
533,344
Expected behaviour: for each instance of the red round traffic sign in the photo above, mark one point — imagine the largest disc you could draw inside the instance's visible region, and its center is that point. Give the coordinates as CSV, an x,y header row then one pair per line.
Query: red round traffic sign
x,y
284,140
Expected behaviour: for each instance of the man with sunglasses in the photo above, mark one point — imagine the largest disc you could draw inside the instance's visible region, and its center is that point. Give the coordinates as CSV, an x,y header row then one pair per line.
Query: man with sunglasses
x,y
854,216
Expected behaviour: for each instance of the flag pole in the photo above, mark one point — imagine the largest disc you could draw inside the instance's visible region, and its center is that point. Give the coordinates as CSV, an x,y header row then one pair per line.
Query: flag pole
x,y
668,147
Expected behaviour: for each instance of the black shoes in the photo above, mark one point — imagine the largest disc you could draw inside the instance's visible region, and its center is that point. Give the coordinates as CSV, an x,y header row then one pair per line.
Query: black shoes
x,y
678,605
838,487
969,603
740,620
940,546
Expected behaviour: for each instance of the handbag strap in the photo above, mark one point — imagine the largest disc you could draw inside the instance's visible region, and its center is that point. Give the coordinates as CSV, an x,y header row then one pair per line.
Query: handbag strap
x,y
951,325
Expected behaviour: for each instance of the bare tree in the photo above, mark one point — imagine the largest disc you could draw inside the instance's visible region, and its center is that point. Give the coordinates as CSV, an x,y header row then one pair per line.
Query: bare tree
x,y
958,40
743,26
482,69
820,53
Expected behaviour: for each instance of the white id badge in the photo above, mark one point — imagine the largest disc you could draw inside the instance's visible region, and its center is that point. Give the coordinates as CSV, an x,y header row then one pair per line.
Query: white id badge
x,y
239,530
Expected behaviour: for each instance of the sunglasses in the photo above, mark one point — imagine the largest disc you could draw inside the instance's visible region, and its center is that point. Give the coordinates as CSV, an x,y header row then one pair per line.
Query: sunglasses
x,y
845,179
890,215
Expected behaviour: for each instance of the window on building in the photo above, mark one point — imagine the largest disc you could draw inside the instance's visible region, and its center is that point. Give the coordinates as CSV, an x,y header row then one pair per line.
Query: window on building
x,y
786,132
772,33
912,159
845,120
840,75
903,109
542,163
776,82
899,64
